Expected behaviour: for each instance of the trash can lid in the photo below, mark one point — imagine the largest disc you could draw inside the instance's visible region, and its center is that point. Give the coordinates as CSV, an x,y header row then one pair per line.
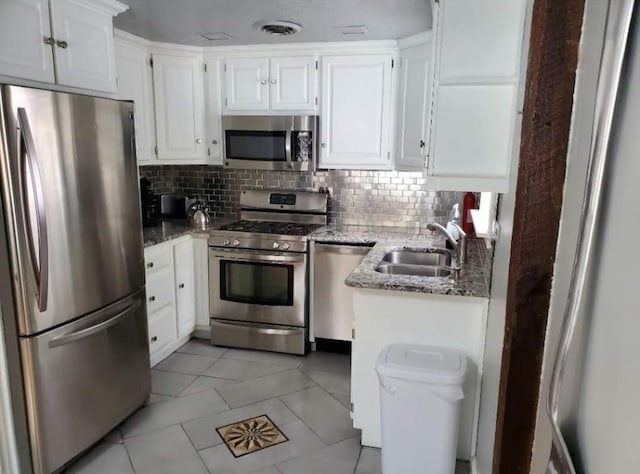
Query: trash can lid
x,y
428,364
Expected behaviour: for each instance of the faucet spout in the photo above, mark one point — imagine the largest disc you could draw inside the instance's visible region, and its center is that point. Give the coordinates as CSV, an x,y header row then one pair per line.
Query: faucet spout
x,y
459,244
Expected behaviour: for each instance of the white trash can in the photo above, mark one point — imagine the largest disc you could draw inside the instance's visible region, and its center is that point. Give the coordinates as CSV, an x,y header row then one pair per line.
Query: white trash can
x,y
420,394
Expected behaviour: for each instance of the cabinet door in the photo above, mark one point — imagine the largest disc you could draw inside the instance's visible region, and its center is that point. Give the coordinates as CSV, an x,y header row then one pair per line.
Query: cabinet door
x,y
136,83
356,103
84,51
414,111
247,84
480,39
213,96
293,83
24,28
474,131
183,255
180,109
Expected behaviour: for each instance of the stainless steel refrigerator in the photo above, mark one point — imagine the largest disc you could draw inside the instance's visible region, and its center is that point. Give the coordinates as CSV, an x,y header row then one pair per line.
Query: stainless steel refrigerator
x,y
74,314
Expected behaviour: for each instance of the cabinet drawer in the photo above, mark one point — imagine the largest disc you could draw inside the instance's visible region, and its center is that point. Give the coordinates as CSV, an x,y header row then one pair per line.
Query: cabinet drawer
x,y
157,258
162,328
159,290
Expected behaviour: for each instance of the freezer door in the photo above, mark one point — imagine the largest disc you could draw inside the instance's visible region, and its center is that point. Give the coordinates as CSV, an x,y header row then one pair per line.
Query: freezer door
x,y
71,193
84,378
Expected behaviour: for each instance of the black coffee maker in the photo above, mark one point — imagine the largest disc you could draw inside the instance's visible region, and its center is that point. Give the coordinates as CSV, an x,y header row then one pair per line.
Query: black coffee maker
x,y
150,203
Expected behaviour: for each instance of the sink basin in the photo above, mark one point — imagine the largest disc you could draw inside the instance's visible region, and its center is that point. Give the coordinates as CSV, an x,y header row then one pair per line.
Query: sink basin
x,y
415,270
433,257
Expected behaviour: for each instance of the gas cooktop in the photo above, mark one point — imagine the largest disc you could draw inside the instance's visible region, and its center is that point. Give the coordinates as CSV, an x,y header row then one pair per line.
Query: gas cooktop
x,y
276,228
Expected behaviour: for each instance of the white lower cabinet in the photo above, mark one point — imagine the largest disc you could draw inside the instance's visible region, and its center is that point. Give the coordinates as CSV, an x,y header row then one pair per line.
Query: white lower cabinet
x,y
172,293
183,257
386,317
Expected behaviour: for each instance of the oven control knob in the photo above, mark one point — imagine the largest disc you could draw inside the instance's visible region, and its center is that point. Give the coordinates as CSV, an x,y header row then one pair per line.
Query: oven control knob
x,y
226,242
285,246
236,243
276,245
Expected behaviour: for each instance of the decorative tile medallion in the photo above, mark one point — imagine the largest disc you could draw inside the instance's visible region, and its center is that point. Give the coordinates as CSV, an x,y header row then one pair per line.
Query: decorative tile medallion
x,y
249,436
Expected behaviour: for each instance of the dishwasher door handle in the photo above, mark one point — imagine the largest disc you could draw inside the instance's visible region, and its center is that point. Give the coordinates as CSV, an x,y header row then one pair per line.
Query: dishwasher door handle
x,y
344,249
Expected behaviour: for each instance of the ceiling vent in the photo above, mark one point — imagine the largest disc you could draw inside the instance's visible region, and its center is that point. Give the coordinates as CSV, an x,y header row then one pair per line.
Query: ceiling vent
x,y
278,27
353,30
216,36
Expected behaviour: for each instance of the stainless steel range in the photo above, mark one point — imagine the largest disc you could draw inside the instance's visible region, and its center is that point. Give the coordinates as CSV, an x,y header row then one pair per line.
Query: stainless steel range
x,y
258,271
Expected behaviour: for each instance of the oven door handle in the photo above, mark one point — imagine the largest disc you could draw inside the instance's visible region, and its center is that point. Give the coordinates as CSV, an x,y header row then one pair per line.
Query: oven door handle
x,y
263,258
260,328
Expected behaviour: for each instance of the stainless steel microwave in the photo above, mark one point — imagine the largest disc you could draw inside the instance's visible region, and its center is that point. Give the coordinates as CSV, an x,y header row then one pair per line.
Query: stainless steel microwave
x,y
270,142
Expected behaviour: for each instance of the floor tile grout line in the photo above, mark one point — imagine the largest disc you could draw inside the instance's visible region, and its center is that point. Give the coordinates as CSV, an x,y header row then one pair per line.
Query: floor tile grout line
x,y
126,450
310,429
194,448
355,468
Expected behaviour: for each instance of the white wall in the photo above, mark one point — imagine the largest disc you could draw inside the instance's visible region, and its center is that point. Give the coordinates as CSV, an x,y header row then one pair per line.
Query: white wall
x,y
498,302
598,416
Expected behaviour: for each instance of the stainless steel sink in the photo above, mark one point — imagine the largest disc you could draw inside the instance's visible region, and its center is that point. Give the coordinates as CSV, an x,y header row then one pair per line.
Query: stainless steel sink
x,y
427,263
433,257
416,270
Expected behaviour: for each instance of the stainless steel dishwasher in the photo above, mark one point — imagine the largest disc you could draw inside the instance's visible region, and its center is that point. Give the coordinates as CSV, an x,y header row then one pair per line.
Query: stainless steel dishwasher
x,y
332,299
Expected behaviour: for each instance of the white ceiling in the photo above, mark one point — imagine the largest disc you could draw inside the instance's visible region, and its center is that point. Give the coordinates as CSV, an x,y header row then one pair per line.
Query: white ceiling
x,y
181,21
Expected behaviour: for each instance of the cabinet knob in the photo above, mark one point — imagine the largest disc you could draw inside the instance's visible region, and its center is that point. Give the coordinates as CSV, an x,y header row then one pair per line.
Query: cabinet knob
x,y
214,142
263,82
152,299
273,81
198,140
422,143
181,285
324,145
49,40
62,44
150,265
154,338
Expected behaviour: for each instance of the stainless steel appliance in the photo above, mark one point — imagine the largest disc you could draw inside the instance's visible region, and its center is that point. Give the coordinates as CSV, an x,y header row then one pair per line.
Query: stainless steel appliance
x,y
332,299
259,271
286,143
175,206
72,220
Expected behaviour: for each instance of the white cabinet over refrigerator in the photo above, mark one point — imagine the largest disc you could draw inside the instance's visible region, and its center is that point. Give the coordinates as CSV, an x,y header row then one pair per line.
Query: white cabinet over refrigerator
x,y
66,42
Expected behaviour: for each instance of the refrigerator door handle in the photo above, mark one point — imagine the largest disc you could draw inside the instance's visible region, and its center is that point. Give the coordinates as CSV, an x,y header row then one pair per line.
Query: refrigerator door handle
x,y
74,336
29,157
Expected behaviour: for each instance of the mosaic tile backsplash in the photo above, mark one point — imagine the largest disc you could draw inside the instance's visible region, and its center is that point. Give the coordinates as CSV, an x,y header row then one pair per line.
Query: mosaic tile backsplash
x,y
377,198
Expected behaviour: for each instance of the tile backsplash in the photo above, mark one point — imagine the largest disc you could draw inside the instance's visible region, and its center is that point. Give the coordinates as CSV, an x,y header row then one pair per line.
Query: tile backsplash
x,y
380,198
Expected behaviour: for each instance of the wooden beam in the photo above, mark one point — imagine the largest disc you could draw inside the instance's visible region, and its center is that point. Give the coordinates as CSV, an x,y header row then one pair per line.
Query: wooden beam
x,y
553,53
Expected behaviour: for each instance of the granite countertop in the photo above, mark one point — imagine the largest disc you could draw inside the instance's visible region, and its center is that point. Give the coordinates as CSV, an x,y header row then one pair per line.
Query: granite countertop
x,y
168,229
473,279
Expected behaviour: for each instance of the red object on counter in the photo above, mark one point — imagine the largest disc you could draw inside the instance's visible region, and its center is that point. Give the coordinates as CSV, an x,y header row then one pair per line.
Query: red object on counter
x,y
468,203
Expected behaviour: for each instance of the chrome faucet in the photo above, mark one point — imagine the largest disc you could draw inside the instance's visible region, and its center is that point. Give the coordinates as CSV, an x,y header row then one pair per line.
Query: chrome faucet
x,y
459,245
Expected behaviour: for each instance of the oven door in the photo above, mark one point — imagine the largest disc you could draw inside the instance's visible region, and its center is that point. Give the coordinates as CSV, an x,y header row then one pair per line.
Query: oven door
x,y
259,287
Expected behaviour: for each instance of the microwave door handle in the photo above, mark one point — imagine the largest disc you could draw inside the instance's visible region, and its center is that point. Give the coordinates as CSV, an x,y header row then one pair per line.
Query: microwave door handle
x,y
29,162
287,148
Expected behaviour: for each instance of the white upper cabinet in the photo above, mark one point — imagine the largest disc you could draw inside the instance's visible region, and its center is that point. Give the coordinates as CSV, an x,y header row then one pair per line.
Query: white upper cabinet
x,y
213,94
75,36
475,110
84,50
136,83
292,83
179,106
356,118
414,107
247,84
25,32
270,84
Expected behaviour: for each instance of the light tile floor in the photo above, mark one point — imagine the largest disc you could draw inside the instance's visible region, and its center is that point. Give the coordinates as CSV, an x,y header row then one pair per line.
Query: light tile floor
x,y
200,388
